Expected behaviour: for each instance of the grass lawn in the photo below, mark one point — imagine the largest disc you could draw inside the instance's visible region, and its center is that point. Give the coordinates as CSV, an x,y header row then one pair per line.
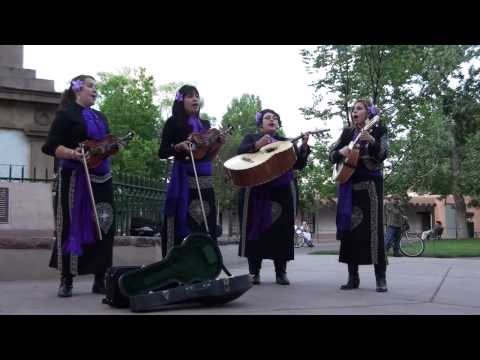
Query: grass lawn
x,y
439,249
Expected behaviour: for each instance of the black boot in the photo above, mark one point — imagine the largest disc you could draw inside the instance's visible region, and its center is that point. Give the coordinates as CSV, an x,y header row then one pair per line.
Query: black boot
x,y
281,272
381,278
254,266
99,284
255,278
353,278
66,286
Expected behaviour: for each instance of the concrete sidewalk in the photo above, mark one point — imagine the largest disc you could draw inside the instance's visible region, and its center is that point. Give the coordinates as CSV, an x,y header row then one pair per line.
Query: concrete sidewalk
x,y
416,286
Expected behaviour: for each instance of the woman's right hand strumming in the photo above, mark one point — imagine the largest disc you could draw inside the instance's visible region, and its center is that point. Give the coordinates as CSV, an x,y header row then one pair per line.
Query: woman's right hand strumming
x,y
344,151
264,140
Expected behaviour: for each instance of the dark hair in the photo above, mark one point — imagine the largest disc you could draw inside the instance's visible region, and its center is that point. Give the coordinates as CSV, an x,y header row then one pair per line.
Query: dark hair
x,y
263,112
178,108
368,106
68,96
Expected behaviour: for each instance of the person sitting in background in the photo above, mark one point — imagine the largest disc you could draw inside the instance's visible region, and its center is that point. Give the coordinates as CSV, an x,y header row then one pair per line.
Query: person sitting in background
x,y
306,234
436,231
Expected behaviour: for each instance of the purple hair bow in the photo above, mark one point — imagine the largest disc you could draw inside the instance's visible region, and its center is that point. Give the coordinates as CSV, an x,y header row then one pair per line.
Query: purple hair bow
x,y
77,85
372,111
258,118
179,96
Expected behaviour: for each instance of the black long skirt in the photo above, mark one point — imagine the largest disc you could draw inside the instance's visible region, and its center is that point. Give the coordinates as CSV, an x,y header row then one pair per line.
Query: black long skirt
x,y
195,217
97,257
276,242
364,244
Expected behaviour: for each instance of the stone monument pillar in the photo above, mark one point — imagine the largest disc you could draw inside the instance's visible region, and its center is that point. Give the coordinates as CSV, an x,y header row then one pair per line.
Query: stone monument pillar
x,y
27,105
27,109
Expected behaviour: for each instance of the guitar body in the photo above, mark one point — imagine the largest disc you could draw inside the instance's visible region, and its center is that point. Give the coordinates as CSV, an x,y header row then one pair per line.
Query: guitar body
x,y
345,169
267,164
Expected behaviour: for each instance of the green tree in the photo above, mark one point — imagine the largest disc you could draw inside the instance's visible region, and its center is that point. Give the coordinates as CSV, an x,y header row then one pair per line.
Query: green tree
x,y
411,84
240,115
127,99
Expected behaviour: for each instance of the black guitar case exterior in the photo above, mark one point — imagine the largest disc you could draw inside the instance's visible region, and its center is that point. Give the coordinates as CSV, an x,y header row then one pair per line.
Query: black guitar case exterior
x,y
209,293
186,275
114,297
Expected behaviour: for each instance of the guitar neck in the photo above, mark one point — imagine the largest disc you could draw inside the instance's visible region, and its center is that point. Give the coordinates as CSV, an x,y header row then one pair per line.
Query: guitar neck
x,y
366,127
310,132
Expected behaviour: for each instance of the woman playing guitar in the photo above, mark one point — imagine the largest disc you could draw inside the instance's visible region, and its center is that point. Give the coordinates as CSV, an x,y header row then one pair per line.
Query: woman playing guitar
x,y
360,198
267,211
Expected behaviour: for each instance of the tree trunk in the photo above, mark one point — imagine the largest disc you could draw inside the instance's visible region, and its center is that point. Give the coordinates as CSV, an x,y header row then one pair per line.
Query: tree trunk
x,y
460,207
461,216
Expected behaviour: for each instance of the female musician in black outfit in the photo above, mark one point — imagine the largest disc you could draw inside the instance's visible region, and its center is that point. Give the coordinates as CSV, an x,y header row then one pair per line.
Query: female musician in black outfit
x,y
78,249
360,199
183,214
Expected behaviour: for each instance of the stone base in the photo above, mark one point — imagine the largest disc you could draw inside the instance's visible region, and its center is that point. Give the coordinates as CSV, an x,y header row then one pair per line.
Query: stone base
x,y
44,240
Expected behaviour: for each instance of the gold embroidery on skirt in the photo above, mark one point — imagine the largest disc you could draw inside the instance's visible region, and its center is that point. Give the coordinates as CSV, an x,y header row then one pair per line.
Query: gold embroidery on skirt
x,y
59,227
372,194
205,182
243,235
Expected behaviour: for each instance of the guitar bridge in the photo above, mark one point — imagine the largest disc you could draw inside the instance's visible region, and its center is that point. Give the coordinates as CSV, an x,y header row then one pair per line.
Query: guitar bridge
x,y
244,158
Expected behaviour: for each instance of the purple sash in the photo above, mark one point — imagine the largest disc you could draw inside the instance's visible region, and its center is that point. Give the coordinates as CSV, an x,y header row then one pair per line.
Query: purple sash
x,y
260,205
82,227
176,203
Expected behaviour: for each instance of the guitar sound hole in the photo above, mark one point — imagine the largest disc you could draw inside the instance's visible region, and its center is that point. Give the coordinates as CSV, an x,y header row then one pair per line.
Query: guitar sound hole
x,y
269,150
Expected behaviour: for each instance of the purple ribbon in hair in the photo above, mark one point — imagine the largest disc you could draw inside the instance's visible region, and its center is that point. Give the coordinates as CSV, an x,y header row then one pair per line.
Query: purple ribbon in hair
x,y
372,111
258,118
179,96
77,85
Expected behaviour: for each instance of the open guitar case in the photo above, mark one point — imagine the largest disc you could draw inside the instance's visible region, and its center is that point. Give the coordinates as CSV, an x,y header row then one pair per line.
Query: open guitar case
x,y
188,274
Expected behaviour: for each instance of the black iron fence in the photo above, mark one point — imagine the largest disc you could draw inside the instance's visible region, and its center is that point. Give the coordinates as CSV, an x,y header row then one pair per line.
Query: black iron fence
x,y
19,173
134,196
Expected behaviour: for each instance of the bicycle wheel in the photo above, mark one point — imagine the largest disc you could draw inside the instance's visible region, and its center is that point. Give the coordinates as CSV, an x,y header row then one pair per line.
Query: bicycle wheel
x,y
411,245
297,241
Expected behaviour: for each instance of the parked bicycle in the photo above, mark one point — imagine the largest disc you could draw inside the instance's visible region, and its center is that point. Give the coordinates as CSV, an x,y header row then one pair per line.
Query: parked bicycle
x,y
411,244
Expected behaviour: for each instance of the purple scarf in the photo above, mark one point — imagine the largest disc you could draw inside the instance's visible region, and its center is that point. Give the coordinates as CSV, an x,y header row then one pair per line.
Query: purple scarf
x,y
260,205
176,203
82,226
344,196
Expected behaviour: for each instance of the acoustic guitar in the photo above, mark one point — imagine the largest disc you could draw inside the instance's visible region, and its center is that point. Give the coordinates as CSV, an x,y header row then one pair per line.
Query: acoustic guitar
x,y
265,165
343,170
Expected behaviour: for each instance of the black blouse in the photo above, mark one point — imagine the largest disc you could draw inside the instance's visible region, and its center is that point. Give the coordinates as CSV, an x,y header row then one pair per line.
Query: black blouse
x,y
68,129
172,134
